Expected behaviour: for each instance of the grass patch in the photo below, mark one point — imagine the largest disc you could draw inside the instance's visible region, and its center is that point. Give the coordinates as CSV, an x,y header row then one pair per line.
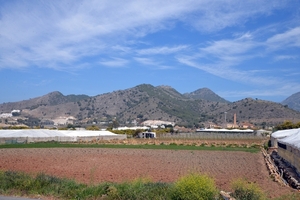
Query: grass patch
x,y
128,146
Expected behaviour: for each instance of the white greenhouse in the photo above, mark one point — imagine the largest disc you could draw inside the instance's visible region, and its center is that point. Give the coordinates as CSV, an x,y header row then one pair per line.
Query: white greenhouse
x,y
41,135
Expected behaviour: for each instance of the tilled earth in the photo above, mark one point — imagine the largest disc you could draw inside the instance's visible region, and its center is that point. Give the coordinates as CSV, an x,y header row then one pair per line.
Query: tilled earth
x,y
95,165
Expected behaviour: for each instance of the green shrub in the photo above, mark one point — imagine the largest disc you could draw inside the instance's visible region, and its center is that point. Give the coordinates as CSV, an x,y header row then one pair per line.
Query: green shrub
x,y
194,186
16,180
139,189
243,190
92,128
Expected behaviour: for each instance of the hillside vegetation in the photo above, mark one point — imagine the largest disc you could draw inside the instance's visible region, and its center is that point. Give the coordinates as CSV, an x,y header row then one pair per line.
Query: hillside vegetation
x,y
158,103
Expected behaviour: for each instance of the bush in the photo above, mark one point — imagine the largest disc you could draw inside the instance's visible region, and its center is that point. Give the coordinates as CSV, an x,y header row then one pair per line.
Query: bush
x,y
243,190
194,186
92,128
139,189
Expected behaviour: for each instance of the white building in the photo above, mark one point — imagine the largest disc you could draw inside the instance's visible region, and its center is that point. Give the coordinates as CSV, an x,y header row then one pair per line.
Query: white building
x,y
6,115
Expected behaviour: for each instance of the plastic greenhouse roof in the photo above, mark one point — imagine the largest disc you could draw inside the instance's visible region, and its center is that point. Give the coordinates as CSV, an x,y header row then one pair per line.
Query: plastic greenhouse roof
x,y
292,140
284,133
51,133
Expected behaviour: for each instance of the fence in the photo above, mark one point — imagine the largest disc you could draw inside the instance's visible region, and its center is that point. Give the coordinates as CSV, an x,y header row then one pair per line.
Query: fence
x,y
211,135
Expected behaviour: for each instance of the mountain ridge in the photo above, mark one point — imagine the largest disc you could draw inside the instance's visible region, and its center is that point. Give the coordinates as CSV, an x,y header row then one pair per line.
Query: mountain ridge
x,y
206,94
149,102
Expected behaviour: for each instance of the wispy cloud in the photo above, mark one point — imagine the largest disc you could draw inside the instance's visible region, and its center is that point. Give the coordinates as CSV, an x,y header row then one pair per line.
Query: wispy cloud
x,y
154,64
229,72
224,58
115,62
162,50
289,38
146,61
236,46
285,57
214,16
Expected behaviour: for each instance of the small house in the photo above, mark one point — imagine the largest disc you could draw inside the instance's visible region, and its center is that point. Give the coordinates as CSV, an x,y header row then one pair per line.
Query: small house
x,y
147,135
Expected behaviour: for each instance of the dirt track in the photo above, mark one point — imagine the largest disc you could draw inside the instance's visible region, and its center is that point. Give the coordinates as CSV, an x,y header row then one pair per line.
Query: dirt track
x,y
91,165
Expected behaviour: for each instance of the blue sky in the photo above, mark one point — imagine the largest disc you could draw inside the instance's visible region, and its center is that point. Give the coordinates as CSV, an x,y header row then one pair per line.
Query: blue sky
x,y
238,49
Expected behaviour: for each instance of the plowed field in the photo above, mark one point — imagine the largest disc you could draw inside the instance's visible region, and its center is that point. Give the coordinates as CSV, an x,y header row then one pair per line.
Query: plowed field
x,y
94,165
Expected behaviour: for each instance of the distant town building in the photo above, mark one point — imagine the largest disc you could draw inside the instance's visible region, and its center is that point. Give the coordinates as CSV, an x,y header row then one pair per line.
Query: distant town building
x,y
157,123
132,128
6,115
246,125
64,120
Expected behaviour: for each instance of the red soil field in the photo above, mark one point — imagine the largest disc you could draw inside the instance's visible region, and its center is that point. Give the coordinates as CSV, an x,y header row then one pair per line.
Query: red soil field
x,y
95,165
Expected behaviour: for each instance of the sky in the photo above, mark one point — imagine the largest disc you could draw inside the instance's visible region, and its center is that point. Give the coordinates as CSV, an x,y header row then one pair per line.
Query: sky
x,y
238,49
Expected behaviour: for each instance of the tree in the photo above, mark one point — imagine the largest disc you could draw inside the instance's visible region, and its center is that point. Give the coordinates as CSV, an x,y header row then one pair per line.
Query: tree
x,y
286,125
15,114
263,124
115,124
71,126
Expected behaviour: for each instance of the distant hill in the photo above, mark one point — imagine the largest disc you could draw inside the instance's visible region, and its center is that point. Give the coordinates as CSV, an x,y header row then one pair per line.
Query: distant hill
x,y
51,99
206,94
293,101
148,102
258,112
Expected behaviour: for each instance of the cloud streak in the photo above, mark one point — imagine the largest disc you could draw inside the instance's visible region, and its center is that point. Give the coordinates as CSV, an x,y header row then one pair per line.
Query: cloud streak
x,y
289,38
50,33
162,50
115,62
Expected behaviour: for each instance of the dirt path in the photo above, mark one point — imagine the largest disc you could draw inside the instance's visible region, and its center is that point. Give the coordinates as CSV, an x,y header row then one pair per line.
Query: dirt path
x,y
91,165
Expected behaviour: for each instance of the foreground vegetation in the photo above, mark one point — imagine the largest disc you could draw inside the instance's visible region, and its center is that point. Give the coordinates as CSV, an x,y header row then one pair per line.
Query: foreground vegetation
x,y
192,186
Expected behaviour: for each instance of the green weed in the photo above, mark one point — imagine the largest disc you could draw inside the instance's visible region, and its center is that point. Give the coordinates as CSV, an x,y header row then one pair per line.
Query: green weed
x,y
244,190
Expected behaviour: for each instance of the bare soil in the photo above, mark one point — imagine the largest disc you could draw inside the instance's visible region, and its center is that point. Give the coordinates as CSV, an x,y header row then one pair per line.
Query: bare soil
x,y
95,165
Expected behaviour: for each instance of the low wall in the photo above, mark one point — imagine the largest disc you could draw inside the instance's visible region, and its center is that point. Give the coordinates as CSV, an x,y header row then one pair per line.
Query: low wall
x,y
291,155
20,140
104,137
210,135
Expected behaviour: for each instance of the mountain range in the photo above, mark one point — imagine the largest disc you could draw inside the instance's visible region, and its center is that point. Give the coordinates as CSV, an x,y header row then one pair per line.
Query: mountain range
x,y
145,101
293,101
